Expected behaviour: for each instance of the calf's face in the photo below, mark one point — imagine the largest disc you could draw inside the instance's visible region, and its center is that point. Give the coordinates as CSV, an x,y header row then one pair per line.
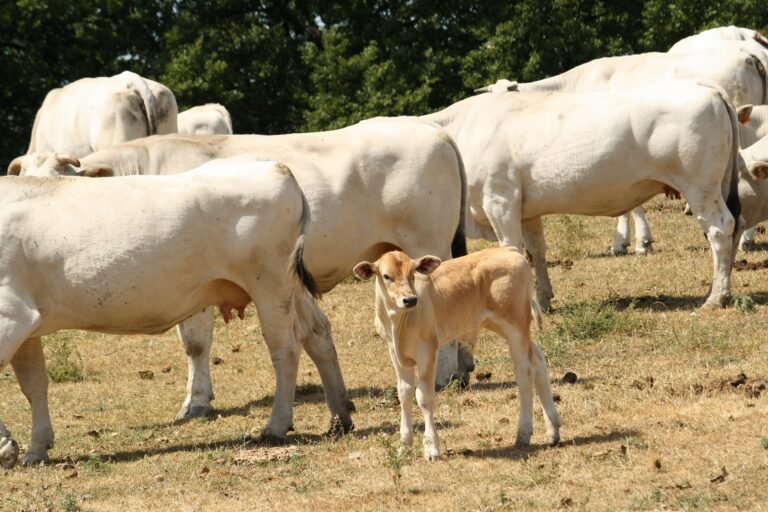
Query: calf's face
x,y
395,275
55,164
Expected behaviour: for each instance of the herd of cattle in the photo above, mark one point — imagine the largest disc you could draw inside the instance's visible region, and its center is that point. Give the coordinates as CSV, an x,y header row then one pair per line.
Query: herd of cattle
x,y
196,218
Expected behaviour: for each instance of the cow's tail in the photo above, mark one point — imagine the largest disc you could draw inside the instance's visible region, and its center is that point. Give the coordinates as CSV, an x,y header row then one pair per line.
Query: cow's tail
x,y
459,243
296,264
148,101
732,174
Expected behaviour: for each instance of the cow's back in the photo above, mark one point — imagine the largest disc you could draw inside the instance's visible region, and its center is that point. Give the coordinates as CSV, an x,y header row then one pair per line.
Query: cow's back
x,y
104,254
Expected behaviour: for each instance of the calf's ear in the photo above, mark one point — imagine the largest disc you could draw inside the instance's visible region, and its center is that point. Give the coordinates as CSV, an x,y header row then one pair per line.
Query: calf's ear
x,y
364,270
743,113
97,171
427,264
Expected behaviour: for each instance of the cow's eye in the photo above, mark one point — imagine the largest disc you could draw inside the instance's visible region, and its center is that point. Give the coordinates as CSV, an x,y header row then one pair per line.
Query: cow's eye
x,y
386,277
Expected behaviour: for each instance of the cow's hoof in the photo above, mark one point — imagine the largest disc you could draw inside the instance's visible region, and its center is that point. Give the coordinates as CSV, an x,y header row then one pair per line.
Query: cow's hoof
x,y
9,453
431,454
339,426
619,251
460,380
554,439
747,246
644,249
33,459
270,438
710,305
189,412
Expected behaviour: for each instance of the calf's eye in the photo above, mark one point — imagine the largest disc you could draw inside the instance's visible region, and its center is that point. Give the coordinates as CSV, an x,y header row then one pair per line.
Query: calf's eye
x,y
387,277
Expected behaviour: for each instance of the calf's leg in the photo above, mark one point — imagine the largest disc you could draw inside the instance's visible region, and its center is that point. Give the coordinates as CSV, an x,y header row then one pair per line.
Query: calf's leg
x,y
543,389
196,333
519,349
406,378
425,396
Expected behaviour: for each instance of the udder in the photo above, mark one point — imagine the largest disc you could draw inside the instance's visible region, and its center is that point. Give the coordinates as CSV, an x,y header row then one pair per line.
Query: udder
x,y
231,297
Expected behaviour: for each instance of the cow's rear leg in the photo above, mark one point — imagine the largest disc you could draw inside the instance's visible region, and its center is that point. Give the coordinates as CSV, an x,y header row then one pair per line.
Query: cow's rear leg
x,y
19,319
747,242
621,236
643,237
533,232
196,333
313,331
719,226
277,316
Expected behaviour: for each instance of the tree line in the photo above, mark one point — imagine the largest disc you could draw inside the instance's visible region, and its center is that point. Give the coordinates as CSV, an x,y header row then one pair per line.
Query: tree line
x,y
284,66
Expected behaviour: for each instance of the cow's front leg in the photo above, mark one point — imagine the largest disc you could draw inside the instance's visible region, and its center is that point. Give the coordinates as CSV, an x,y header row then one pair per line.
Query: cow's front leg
x,y
533,231
314,334
29,366
196,333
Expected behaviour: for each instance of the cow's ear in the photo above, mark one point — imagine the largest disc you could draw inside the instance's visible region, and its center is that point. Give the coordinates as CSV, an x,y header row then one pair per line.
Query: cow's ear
x,y
365,270
14,168
97,171
63,159
759,170
427,264
743,113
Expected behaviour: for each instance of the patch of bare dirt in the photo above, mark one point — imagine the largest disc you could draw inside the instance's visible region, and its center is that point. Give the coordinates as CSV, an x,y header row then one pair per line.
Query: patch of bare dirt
x,y
262,455
751,387
742,265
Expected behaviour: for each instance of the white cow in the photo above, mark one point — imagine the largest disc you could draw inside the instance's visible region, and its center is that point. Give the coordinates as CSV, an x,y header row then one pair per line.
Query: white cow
x,y
95,113
714,36
529,155
402,176
423,303
208,119
738,67
160,250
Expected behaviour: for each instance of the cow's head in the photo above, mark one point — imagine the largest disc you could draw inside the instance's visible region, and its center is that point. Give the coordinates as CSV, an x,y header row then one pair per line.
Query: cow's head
x,y
395,275
55,164
755,158
502,85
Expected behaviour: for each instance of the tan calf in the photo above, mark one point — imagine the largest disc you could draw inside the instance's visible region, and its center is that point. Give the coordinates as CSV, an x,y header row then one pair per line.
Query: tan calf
x,y
424,303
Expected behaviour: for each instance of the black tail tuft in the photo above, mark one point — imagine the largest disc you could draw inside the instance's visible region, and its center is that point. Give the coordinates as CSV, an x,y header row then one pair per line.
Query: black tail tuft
x,y
298,268
459,243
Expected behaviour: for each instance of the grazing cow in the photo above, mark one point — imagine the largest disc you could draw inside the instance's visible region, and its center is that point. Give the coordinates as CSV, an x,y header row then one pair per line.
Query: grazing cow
x,y
208,119
160,250
529,155
403,176
95,113
736,66
423,303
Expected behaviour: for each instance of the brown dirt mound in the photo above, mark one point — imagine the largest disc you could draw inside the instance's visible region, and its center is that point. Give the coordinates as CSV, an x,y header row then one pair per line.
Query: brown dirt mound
x,y
742,265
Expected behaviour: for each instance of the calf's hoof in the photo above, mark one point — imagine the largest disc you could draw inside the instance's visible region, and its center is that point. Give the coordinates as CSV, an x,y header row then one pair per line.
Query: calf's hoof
x,y
9,453
645,248
554,439
431,454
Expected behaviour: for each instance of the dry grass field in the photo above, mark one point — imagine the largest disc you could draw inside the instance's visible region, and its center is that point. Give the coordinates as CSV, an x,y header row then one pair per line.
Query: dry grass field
x,y
660,415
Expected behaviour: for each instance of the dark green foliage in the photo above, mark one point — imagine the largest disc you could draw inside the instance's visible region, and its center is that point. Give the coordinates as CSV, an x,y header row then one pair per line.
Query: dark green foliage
x,y
298,65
